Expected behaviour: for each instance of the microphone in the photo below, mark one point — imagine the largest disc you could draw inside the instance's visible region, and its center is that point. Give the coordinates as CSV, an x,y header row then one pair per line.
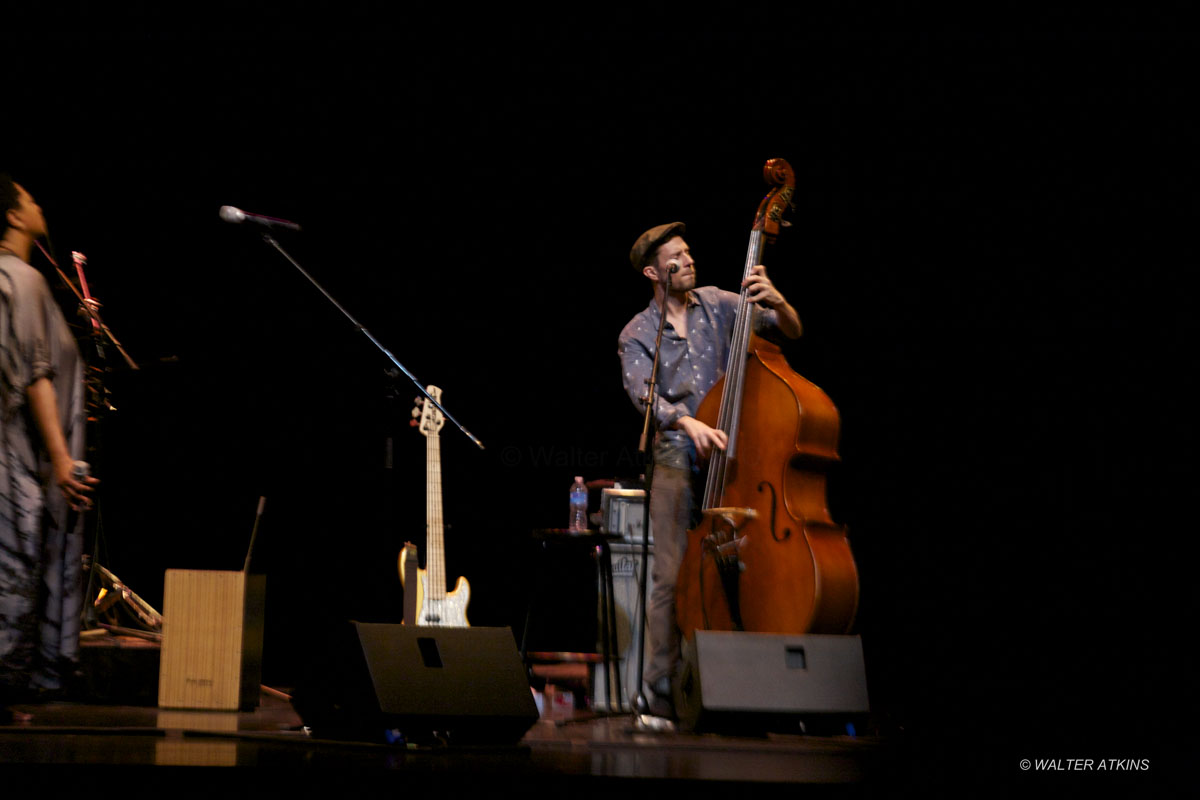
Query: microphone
x,y
237,216
674,265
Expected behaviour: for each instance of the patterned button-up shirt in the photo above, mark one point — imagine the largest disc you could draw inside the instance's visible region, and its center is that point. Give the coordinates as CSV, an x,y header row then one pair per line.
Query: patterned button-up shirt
x,y
687,367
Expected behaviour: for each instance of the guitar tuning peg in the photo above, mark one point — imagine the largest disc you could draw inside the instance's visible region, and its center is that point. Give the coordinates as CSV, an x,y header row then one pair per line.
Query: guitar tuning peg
x,y
412,423
416,412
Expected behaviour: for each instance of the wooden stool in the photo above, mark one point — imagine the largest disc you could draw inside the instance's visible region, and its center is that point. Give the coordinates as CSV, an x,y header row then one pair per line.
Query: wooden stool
x,y
573,671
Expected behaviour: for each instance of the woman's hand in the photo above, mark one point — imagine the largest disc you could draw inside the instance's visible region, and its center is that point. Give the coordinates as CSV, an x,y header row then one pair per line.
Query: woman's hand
x,y
76,487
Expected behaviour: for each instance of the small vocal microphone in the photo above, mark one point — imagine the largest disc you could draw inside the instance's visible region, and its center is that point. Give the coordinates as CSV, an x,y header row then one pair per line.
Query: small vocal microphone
x,y
237,216
674,265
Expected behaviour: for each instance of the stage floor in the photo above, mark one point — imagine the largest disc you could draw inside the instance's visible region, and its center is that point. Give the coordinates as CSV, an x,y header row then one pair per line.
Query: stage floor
x,y
186,753
112,735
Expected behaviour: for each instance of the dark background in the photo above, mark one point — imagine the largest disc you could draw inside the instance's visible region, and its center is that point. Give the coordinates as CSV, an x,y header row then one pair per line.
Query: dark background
x,y
991,254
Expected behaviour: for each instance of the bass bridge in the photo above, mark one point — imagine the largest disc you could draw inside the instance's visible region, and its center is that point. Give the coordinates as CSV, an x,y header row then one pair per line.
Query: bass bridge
x,y
722,544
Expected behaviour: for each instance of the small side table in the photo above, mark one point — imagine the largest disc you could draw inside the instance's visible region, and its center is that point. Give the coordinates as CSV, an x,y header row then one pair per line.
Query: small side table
x,y
598,541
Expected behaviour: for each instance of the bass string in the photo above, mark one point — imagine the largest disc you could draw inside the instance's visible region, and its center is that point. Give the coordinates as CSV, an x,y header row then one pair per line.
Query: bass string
x,y
735,371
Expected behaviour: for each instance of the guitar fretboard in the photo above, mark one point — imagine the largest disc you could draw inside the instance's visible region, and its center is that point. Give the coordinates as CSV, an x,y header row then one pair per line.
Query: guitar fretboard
x,y
435,557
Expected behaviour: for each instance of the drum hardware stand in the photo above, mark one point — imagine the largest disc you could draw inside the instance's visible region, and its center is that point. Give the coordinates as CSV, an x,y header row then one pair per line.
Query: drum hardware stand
x,y
113,593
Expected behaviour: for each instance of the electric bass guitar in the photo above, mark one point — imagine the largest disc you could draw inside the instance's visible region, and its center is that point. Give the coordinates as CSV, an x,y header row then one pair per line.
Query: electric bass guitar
x,y
434,605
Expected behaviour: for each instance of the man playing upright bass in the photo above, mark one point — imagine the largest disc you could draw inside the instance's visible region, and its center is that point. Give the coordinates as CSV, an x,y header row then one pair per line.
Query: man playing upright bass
x,y
695,349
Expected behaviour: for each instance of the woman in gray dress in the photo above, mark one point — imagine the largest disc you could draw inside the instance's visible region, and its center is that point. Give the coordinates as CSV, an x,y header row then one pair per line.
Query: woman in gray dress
x,y
42,419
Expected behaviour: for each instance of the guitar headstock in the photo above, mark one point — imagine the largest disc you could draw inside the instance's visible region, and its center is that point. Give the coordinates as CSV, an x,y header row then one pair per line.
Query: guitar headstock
x,y
430,419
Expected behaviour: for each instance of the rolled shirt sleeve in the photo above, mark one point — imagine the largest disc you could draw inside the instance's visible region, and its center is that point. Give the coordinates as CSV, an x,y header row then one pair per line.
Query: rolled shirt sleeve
x,y
25,355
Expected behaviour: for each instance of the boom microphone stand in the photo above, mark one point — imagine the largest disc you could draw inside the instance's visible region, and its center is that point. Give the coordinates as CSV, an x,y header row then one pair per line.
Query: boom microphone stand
x,y
646,447
269,239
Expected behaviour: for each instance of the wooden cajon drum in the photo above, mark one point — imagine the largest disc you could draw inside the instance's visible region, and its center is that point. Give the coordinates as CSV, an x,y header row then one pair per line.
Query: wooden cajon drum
x,y
211,654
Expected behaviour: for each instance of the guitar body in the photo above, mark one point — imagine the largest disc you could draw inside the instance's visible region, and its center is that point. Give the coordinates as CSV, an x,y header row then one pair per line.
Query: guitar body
x,y
450,611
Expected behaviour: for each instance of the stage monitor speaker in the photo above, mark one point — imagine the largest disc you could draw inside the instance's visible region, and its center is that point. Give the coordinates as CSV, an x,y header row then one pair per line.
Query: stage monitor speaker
x,y
212,643
459,685
765,682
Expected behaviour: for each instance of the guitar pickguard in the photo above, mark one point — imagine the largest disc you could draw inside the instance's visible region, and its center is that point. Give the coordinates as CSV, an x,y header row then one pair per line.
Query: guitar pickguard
x,y
448,612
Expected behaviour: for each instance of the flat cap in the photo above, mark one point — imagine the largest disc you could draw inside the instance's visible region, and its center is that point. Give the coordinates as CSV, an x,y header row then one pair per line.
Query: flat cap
x,y
651,239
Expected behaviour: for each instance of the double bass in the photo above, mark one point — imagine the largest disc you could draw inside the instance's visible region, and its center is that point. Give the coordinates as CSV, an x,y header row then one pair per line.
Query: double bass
x,y
767,556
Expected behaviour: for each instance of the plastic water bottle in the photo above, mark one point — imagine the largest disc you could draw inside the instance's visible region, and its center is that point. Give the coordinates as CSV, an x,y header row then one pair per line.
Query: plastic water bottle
x,y
579,503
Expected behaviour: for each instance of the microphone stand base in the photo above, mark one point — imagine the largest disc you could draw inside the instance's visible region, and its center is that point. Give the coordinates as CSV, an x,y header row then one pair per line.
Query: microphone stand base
x,y
649,722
